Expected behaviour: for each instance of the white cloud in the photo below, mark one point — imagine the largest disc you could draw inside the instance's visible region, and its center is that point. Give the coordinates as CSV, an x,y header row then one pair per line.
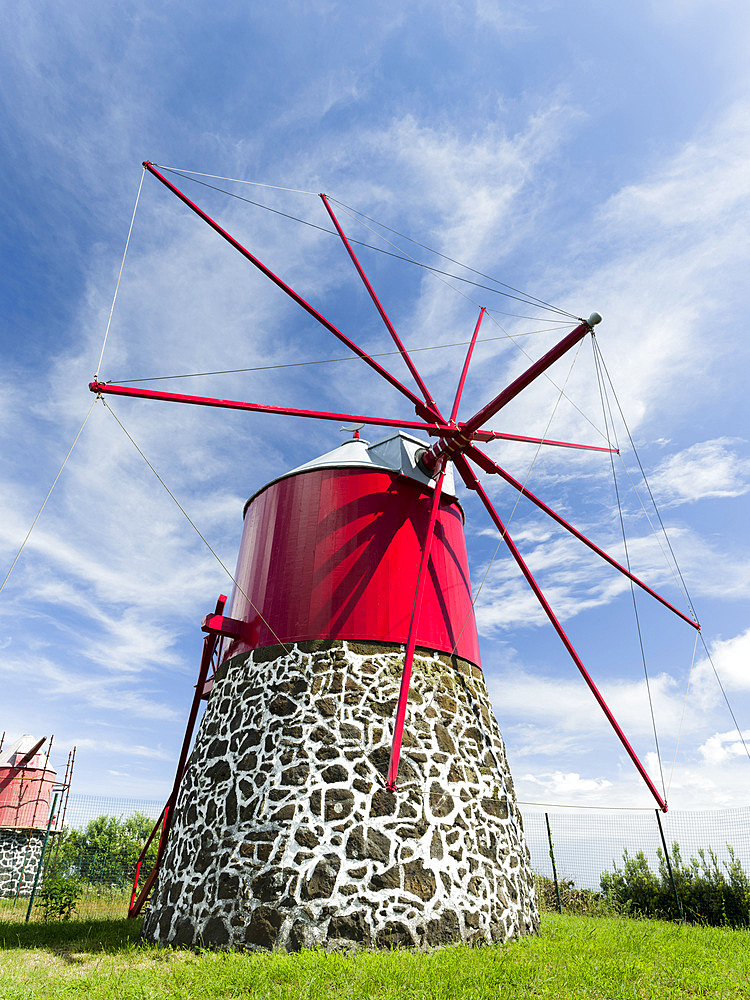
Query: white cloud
x,y
731,660
86,688
722,747
122,749
706,181
566,786
504,17
707,469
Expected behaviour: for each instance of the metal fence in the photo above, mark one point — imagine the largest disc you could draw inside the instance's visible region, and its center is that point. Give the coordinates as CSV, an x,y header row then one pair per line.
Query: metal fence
x,y
584,843
96,850
82,809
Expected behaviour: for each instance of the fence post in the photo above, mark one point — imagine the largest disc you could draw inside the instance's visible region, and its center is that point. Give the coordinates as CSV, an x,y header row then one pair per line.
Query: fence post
x,y
41,857
669,866
554,869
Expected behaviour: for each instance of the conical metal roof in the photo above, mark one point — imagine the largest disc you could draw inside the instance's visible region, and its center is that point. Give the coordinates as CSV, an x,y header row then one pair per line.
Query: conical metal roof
x,y
397,453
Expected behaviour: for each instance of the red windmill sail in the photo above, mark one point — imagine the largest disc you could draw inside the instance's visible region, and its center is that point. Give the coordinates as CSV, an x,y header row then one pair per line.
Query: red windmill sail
x,y
457,443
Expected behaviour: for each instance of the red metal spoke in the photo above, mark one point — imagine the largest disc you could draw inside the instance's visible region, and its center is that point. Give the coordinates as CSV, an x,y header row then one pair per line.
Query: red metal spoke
x,y
411,640
486,463
526,378
472,425
378,305
500,436
236,404
419,406
468,476
462,380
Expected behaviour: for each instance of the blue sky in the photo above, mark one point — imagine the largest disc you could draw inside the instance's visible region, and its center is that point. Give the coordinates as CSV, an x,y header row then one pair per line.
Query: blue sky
x,y
594,156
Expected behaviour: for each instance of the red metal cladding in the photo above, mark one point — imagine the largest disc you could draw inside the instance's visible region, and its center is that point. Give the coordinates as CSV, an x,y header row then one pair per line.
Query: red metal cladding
x,y
25,794
333,553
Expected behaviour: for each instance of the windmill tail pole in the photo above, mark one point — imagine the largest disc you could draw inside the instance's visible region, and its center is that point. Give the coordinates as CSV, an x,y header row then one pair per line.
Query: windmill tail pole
x,y
473,484
167,817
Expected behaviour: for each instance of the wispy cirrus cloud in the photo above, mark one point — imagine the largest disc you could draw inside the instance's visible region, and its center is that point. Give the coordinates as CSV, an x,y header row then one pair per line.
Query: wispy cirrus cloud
x,y
705,470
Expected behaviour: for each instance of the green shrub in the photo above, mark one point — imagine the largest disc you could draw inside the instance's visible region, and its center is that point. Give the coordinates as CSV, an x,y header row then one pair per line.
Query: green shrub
x,y
708,894
59,897
586,902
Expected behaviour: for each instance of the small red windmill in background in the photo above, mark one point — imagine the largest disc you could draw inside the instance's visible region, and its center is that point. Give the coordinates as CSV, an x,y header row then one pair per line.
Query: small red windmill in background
x,y
457,442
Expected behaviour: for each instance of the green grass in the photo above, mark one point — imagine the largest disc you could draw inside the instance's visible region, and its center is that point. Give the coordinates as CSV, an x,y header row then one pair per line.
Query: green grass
x,y
95,904
575,956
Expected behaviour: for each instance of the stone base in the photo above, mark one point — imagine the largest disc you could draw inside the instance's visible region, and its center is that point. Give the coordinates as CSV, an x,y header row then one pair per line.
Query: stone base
x,y
284,836
20,851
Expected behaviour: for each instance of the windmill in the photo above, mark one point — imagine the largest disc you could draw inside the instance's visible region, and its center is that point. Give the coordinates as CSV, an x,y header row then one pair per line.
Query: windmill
x,y
318,902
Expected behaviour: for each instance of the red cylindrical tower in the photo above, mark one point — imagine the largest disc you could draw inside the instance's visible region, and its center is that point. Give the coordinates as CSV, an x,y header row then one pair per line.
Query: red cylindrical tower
x,y
331,551
25,787
286,831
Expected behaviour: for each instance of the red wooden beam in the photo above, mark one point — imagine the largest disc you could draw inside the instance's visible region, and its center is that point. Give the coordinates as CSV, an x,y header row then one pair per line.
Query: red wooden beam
x,y
419,406
462,379
500,436
525,379
411,640
106,388
486,463
443,447
378,305
468,476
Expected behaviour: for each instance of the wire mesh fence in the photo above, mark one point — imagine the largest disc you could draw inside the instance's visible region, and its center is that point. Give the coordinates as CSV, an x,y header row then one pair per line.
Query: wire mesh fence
x,y
86,867
98,848
685,865
587,842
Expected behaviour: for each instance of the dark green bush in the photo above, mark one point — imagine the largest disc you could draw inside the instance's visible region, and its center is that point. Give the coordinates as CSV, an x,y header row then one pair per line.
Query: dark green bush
x,y
708,894
59,897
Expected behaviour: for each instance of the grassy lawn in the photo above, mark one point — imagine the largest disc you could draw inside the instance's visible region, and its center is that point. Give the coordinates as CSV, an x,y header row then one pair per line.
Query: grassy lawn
x,y
574,957
93,905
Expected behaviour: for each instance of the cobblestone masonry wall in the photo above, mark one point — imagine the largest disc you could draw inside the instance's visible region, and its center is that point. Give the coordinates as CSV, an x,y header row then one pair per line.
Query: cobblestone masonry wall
x,y
285,837
18,864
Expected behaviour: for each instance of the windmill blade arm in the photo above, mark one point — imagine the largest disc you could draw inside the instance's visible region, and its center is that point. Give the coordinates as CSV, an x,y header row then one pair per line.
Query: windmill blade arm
x,y
419,406
411,640
462,379
383,315
486,463
467,474
107,388
500,436
525,379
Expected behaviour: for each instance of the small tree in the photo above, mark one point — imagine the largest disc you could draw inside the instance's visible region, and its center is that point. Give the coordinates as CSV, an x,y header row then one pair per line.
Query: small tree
x,y
59,898
633,888
106,851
